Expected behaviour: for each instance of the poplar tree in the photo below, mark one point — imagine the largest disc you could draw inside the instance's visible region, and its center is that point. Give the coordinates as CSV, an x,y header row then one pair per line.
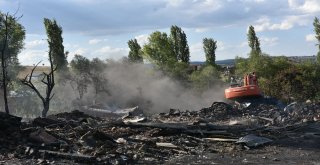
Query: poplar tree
x,y
210,46
253,42
54,33
316,25
135,54
180,44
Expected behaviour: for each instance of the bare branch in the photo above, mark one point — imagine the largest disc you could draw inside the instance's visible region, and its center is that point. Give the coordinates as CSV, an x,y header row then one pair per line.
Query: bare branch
x,y
52,96
33,71
30,84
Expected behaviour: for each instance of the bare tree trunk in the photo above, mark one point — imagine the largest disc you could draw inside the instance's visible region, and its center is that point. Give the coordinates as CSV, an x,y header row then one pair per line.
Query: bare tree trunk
x,y
48,80
46,105
4,67
5,96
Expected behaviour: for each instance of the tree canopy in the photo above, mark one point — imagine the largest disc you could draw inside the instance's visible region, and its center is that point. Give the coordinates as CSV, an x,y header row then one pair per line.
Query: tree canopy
x,y
159,50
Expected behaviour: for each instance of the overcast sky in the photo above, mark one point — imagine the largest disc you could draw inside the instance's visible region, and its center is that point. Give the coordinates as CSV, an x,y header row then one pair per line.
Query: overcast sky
x,y
101,28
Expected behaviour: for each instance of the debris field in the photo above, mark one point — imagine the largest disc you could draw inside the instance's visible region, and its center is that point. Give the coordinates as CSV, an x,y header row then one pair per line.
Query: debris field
x,y
223,133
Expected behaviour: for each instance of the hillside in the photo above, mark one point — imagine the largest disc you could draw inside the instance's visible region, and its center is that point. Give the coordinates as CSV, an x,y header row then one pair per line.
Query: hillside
x,y
297,59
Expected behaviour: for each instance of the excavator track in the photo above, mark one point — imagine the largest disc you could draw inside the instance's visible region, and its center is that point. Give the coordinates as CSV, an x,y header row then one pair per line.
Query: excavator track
x,y
253,101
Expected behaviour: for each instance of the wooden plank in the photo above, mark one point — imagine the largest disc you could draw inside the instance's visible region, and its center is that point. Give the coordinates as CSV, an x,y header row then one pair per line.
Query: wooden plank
x,y
221,139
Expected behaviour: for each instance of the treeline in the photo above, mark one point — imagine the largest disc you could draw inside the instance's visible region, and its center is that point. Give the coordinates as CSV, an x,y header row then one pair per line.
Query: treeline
x,y
168,53
278,76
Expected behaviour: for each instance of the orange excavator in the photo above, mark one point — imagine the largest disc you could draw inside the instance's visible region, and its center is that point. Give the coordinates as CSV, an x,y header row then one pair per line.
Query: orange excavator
x,y
247,89
248,93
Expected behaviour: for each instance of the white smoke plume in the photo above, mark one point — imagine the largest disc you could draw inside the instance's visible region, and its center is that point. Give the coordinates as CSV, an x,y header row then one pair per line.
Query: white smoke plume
x,y
138,84
127,85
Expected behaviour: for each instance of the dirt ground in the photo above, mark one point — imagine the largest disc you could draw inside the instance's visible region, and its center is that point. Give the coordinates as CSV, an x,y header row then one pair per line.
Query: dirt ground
x,y
273,154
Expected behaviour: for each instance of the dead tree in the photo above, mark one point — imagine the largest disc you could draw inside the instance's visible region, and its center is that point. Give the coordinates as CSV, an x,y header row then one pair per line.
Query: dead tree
x,y
48,80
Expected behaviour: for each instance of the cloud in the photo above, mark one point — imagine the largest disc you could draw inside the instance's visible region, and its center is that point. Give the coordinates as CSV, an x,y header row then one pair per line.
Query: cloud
x,y
142,39
195,7
196,51
255,1
305,6
35,43
79,51
139,15
269,41
243,44
94,41
110,52
311,38
259,1
70,46
264,23
201,30
175,3
220,46
30,57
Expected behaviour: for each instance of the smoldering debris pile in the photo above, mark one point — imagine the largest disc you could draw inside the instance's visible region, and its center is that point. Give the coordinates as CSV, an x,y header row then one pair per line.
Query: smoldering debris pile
x,y
76,137
9,131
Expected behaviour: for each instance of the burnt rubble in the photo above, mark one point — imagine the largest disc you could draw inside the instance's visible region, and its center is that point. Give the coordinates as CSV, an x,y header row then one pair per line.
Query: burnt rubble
x,y
78,138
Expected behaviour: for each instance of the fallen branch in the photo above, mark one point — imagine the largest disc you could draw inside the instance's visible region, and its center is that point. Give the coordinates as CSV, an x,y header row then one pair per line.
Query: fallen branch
x,y
70,156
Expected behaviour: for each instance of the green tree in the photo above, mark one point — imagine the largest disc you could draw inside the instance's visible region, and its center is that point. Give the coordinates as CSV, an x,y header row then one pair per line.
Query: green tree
x,y
181,72
159,51
253,42
241,65
205,78
267,68
97,68
54,33
256,61
180,44
210,46
80,66
316,25
12,35
135,54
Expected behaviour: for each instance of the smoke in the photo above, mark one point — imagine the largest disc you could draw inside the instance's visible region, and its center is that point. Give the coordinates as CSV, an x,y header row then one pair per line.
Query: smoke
x,y
140,85
127,85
